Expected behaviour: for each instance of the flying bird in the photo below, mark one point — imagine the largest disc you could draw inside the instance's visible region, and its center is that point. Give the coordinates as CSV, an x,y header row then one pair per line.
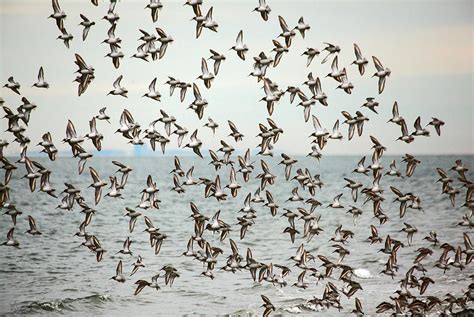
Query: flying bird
x,y
239,46
87,24
41,83
382,73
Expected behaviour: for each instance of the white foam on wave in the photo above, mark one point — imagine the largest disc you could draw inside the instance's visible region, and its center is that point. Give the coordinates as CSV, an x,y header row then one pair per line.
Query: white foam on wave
x,y
362,273
293,310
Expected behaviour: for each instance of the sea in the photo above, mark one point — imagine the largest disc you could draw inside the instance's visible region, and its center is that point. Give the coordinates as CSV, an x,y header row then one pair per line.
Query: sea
x,y
52,274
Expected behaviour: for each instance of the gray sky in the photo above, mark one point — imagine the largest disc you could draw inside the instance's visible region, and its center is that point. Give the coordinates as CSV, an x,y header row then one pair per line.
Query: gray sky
x,y
427,45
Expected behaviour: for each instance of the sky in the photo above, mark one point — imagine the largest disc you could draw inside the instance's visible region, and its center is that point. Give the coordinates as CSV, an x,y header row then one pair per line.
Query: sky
x,y
428,45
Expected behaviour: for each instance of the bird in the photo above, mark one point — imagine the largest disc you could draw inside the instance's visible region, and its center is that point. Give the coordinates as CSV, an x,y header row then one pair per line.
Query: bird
x,y
133,217
167,120
125,170
311,53
142,284
13,212
118,89
302,27
195,144
360,167
190,181
412,163
422,254
295,196
279,49
102,115
177,167
306,103
371,104
199,18
301,283
206,76
94,135
419,131
83,156
271,203
345,85
410,231
155,6
180,131
320,134
360,61
115,188
382,73
403,199
239,46
58,14
41,83
195,4
432,237
65,37
318,93
112,40
335,202
286,33
331,49
152,92
126,247
211,124
234,131
335,72
111,16
142,52
354,186
45,185
396,118
171,274
458,167
288,162
13,85
437,123
217,58
164,39
86,74
246,165
137,265
234,186
393,170
267,304
118,273
11,242
33,229
374,237
31,174
48,146
86,23
264,9
406,137
377,145
97,184
199,102
293,92
209,22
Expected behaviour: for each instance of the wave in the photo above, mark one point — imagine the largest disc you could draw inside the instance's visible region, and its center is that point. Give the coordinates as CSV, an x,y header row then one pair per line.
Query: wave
x,y
60,305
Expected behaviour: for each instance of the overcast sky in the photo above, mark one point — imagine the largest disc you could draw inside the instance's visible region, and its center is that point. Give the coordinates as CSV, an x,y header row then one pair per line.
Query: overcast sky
x,y
427,45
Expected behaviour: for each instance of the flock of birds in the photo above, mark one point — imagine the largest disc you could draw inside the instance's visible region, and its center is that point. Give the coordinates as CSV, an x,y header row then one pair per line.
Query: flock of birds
x,y
414,283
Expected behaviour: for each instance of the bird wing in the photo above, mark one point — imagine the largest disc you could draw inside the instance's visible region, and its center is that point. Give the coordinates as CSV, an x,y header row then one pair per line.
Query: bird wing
x,y
377,63
240,37
283,24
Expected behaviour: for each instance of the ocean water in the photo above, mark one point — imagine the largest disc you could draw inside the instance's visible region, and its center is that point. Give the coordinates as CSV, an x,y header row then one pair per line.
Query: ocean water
x,y
52,274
